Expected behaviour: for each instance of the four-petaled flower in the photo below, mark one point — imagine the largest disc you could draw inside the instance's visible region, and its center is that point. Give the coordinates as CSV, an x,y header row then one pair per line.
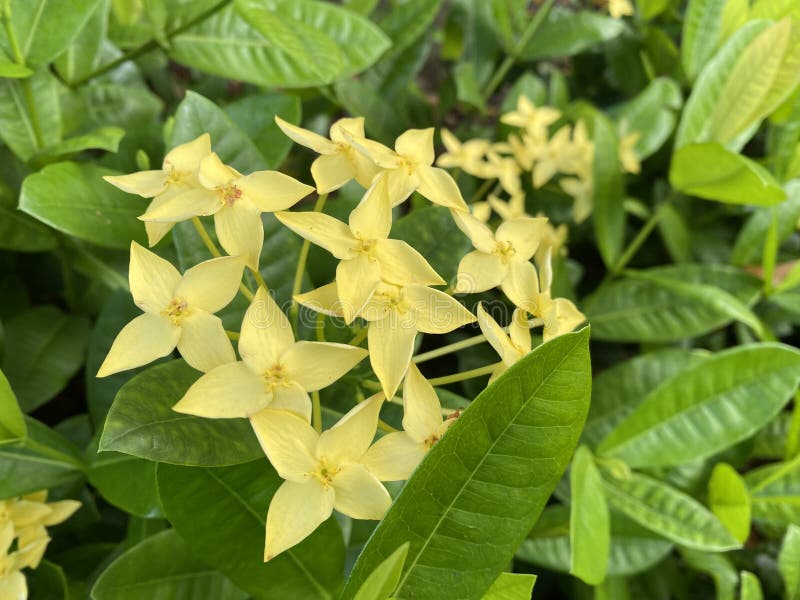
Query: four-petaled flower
x,y
512,347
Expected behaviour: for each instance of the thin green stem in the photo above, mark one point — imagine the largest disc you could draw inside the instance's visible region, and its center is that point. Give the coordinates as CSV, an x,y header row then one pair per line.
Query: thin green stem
x,y
11,35
232,335
449,349
297,286
215,252
319,327
455,377
360,336
481,191
316,411
522,43
259,279
637,242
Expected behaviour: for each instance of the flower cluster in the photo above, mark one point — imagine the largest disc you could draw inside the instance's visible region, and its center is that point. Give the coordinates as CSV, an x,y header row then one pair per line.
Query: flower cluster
x,y
24,539
383,285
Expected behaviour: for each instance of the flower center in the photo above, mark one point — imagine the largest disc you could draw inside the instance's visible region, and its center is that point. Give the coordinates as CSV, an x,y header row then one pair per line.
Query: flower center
x,y
276,376
367,247
430,441
175,177
176,310
407,164
505,251
325,473
228,194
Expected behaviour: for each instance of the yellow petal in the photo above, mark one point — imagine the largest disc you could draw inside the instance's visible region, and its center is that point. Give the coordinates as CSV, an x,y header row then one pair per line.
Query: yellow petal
x,y
416,144
546,271
212,284
477,231
152,279
266,333
563,317
394,457
187,157
438,186
524,234
187,204
495,334
204,344
141,341
359,494
482,210
315,365
422,411
214,173
400,184
304,137
350,438
356,280
543,172
347,128
520,284
7,536
61,511
288,441
365,169
332,171
519,331
271,191
240,231
322,230
379,154
478,272
144,183
292,398
295,511
30,555
401,264
157,230
391,344
324,299
372,218
434,311
14,586
228,391
24,513
40,496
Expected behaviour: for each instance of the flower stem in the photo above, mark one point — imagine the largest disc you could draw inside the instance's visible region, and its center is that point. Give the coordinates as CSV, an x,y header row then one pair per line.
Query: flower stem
x,y
316,411
637,242
481,191
212,248
297,286
232,335
449,348
471,374
360,336
259,279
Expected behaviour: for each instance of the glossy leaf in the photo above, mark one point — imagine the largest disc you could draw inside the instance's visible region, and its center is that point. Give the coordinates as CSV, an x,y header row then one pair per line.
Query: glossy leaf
x,y
708,407
141,422
162,567
105,138
730,500
196,499
789,562
609,192
125,481
22,233
511,586
12,423
589,522
652,114
84,53
498,475
566,33
701,30
381,582
750,242
30,114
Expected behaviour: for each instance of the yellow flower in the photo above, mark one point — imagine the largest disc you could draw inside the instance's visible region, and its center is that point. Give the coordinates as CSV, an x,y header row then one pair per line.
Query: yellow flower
x,y
554,155
482,210
500,258
178,311
582,191
339,161
524,150
627,153
507,172
178,174
275,371
467,156
366,254
578,155
620,8
395,456
236,201
512,347
322,472
553,243
534,120
409,167
513,208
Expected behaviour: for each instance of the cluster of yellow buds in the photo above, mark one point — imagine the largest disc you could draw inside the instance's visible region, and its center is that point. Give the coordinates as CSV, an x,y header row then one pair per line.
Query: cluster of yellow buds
x,y
24,539
384,283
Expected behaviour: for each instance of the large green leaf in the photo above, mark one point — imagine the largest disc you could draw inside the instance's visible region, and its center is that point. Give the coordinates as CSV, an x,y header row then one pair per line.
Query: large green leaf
x,y
665,510
708,407
701,31
589,521
751,587
710,171
30,115
161,567
630,310
494,469
609,192
12,423
652,114
567,32
775,493
73,198
125,481
717,566
633,549
789,562
141,422
45,349
221,513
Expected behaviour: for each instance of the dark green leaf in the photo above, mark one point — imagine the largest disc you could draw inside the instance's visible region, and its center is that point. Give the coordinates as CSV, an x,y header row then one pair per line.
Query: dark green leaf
x,y
125,481
105,138
774,492
12,423
47,581
566,33
609,192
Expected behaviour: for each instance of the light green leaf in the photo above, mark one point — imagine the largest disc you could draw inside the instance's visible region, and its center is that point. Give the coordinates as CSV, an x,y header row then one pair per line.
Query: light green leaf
x,y
493,484
749,245
751,587
774,9
382,581
609,192
12,424
775,493
468,90
511,586
589,521
710,171
663,509
74,199
195,499
730,500
652,114
30,114
162,566
141,422
105,138
82,56
566,33
649,9
707,407
408,20
45,348
701,32
675,232
789,562
12,70
125,481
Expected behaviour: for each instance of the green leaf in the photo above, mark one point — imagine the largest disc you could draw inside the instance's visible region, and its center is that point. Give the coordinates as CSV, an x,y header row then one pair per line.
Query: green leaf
x,y
775,493
789,562
382,581
701,32
12,70
125,481
630,310
45,350
730,500
30,115
82,56
105,138
162,566
653,114
21,233
511,586
668,512
221,514
633,549
528,85
408,20
609,192
468,90
589,521
491,474
47,581
74,199
383,120
751,587
710,171
707,407
12,423
717,566
749,244
566,33
141,422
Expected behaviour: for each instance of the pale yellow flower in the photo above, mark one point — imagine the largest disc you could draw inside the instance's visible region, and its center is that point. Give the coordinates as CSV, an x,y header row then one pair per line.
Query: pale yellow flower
x,y
275,372
511,347
553,157
627,153
553,243
513,208
364,249
178,174
467,156
395,456
534,120
524,150
620,8
481,210
236,201
322,472
409,167
500,258
339,161
578,156
178,311
507,172
582,191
